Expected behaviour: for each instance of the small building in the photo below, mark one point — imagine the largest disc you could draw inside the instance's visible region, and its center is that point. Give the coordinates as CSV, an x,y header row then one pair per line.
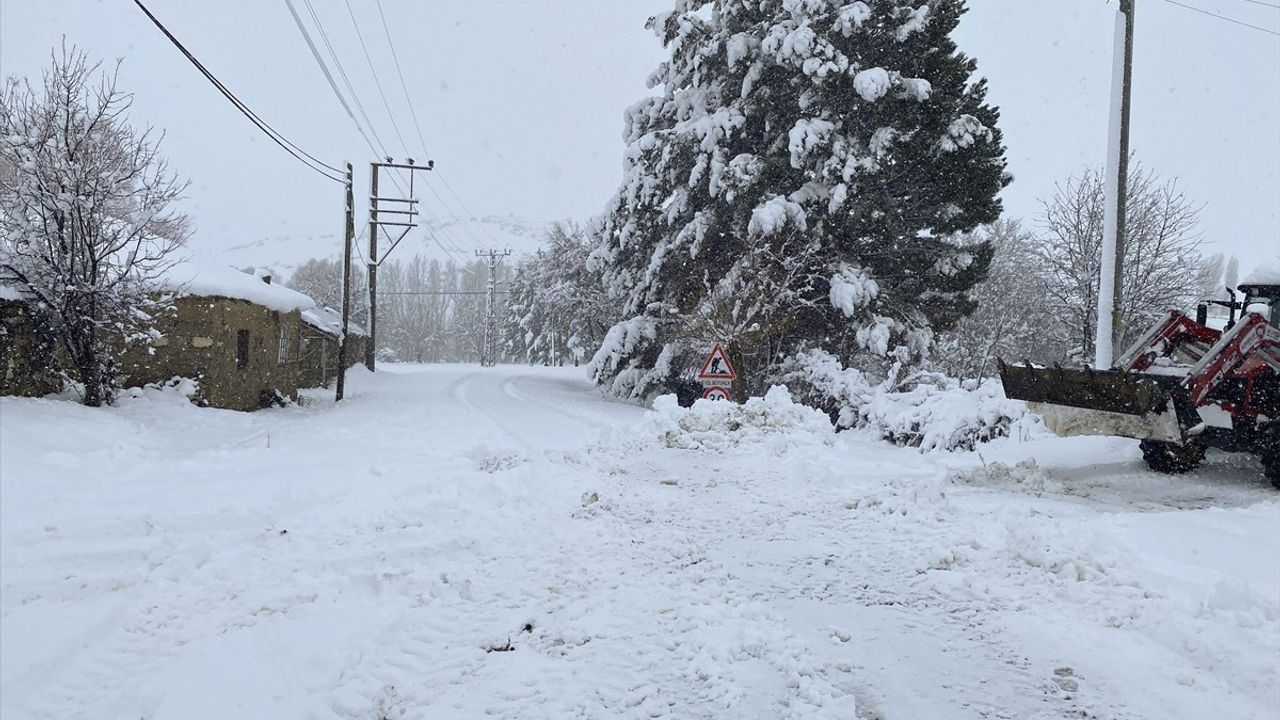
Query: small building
x,y
321,342
239,337
26,348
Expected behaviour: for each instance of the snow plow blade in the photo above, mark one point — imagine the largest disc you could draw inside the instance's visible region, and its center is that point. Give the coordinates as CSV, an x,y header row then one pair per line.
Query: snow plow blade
x,y
1108,402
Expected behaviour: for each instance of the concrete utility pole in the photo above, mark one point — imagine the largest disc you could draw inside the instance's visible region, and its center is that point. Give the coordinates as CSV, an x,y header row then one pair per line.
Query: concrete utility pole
x,y
348,240
406,207
1113,235
489,352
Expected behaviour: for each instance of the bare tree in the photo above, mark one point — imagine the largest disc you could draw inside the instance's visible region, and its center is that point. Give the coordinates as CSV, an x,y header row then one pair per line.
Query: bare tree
x,y
1009,321
1162,264
86,215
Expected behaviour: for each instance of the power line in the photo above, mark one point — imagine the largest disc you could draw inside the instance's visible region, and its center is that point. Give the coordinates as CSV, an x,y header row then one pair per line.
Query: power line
x,y
376,81
457,220
465,209
380,150
1263,4
315,53
346,80
301,155
403,85
1223,17
395,56
323,68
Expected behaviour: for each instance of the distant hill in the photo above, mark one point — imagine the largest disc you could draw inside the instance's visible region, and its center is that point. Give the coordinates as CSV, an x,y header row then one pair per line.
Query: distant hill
x,y
443,240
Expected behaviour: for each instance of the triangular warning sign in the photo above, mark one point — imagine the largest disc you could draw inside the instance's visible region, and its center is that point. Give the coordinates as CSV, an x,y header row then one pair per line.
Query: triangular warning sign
x,y
717,366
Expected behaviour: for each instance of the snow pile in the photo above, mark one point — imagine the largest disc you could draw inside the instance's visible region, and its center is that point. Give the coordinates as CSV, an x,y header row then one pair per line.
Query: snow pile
x,y
1025,476
178,390
774,421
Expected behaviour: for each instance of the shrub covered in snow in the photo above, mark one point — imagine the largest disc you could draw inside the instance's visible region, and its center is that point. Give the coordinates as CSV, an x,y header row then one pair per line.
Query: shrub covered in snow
x,y
944,415
930,411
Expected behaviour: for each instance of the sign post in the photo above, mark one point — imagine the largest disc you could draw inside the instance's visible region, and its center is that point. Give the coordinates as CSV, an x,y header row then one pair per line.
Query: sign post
x,y
717,375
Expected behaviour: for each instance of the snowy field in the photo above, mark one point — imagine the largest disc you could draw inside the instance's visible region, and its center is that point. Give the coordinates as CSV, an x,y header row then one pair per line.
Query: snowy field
x,y
453,542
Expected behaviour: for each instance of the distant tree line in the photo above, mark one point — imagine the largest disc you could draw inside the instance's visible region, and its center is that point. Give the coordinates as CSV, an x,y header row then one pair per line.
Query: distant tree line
x,y
428,310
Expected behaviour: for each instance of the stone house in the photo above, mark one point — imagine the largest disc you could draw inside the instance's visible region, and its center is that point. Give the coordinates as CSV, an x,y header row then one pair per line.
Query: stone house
x,y
239,337
321,339
26,349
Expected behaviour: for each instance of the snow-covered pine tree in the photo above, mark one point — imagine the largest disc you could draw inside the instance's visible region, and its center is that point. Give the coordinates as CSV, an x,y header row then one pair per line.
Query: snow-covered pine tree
x,y
796,186
559,310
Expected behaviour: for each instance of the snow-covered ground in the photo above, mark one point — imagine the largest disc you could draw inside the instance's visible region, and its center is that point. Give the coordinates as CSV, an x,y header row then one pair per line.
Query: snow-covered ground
x,y
453,542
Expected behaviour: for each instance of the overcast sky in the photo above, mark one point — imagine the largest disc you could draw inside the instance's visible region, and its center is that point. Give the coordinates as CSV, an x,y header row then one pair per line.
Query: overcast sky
x,y
521,102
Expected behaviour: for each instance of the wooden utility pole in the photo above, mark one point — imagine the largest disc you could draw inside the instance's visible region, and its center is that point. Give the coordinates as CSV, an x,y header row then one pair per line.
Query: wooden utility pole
x,y
348,240
1110,318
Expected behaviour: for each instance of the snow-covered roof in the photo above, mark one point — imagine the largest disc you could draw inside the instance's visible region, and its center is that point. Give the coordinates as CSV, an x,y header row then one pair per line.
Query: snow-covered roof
x,y
328,320
1263,275
193,279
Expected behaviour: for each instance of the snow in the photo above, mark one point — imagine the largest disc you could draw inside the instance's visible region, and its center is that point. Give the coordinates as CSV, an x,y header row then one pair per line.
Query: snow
x,y
200,280
459,542
917,21
1268,274
329,321
872,83
774,215
10,293
852,289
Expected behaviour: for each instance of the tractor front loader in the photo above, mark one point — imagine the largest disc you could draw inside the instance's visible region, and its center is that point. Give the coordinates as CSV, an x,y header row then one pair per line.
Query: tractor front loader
x,y
1180,389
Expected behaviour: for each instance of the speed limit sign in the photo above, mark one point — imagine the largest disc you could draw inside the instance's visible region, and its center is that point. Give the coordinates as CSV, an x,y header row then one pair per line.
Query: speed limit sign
x,y
716,393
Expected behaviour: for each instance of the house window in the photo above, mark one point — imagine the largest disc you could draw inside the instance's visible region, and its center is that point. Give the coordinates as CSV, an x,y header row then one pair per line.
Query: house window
x,y
242,349
282,351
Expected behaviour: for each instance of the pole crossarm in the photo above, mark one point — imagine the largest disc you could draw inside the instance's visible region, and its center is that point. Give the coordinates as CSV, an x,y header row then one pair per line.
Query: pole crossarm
x,y
431,165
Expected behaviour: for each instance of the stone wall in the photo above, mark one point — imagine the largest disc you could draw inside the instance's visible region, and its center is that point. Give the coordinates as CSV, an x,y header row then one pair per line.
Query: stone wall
x,y
243,355
26,353
319,363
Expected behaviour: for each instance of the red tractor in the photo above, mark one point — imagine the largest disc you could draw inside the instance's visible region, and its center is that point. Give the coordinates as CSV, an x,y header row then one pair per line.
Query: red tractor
x,y
1183,387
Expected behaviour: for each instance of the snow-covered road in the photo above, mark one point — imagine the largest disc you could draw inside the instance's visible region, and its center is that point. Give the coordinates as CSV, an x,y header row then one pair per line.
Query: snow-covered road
x,y
453,542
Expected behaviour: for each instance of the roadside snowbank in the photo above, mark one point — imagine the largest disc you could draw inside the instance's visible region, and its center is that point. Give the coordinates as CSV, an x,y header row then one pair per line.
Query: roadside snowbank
x,y
774,421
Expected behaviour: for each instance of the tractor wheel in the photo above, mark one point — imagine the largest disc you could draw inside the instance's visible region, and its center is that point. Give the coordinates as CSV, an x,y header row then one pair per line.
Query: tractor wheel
x,y
1271,468
1170,457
